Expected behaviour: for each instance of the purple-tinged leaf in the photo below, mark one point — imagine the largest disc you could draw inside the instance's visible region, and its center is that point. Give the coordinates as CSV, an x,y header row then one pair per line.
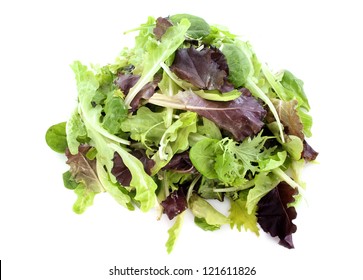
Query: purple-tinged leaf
x,y
205,69
84,170
308,152
126,81
162,24
274,215
123,174
145,93
175,203
180,163
242,117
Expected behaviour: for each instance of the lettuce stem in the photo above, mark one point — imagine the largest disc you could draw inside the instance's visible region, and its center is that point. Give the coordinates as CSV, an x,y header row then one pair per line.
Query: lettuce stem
x,y
257,92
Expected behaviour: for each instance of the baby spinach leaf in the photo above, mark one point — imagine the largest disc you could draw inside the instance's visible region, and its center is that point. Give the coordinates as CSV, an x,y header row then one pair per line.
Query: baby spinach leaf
x,y
56,137
203,157
198,29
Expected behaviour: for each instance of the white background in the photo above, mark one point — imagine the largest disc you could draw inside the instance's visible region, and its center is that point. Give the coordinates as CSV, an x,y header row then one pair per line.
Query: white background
x,y
40,236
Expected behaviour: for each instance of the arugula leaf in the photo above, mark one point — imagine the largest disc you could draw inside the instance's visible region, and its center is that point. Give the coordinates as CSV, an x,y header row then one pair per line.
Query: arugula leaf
x,y
56,137
240,217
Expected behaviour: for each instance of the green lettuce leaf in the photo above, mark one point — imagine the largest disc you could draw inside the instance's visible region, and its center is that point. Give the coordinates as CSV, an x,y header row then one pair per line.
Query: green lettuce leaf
x,y
146,126
202,209
174,232
175,139
239,215
157,53
202,223
107,144
76,132
264,182
115,112
85,198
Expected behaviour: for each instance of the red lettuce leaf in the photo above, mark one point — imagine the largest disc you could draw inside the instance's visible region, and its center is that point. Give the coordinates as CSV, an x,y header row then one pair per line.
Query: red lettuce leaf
x,y
242,117
308,152
126,81
84,170
205,69
274,215
175,203
162,24
123,174
180,163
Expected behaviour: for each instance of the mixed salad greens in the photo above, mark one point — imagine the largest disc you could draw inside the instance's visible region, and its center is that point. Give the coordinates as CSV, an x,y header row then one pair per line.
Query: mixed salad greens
x,y
188,115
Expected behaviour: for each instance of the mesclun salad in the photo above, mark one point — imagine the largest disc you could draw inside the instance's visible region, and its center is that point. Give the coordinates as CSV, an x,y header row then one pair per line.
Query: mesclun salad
x,y
189,115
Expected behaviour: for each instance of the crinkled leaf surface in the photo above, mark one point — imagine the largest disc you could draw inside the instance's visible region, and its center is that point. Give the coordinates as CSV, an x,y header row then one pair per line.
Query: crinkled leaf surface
x,y
289,117
83,170
205,69
239,216
162,24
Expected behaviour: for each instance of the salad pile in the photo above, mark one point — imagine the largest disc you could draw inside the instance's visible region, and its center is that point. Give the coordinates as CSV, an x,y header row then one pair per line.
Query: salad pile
x,y
186,116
